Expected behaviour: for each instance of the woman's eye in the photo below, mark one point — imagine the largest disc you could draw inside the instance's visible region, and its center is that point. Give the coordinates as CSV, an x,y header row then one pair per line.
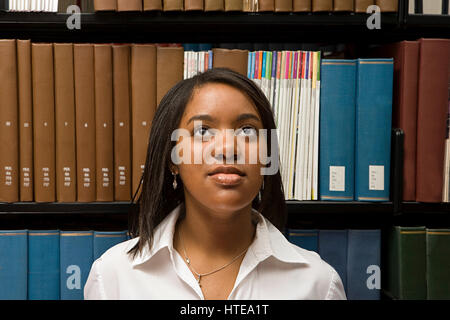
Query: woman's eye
x,y
246,131
203,132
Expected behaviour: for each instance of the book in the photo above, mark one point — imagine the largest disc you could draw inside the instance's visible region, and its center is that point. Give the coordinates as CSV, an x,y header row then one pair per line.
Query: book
x,y
438,264
122,122
193,5
85,121
66,170
25,95
43,265
266,5
4,5
374,92
333,249
363,264
143,106
337,130
301,5
9,131
306,239
406,75
233,5
169,69
283,5
406,263
152,5
322,5
362,5
214,5
104,240
435,7
387,5
76,258
105,5
129,5
43,122
13,264
234,59
173,5
432,109
343,5
104,124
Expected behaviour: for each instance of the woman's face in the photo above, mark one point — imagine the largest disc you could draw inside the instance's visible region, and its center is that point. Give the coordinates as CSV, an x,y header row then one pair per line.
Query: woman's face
x,y
223,173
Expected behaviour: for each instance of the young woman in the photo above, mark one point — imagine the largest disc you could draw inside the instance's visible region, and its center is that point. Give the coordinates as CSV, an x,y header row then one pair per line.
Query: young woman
x,y
211,217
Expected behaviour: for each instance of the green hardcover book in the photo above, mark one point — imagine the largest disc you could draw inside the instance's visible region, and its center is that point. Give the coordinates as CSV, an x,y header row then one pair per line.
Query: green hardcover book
x,y
407,263
438,264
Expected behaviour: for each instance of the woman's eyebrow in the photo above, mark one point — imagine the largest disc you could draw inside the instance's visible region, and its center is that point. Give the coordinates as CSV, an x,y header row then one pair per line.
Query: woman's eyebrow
x,y
247,116
206,117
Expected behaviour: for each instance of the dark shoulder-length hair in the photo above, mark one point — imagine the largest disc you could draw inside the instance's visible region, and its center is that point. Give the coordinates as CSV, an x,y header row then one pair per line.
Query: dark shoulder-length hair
x,y
158,198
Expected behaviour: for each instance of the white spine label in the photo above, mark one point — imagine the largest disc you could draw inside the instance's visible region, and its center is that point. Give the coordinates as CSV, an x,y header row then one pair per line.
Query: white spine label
x,y
337,178
376,178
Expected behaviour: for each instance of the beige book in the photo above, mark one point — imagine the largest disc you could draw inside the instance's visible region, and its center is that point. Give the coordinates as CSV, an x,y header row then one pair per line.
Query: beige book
x,y
104,124
105,5
173,5
129,5
85,121
169,69
322,5
266,5
389,5
43,122
193,5
26,169
214,5
143,105
65,123
152,5
343,5
362,5
302,5
234,59
233,5
9,133
283,5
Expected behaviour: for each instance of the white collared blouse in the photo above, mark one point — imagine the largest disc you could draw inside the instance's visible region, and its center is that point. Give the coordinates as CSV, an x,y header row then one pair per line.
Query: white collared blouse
x,y
272,269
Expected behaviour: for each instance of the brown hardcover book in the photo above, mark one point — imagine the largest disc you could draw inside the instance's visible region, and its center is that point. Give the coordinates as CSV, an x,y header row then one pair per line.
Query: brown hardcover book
x,y
25,88
43,122
65,123
122,130
404,115
362,5
283,5
343,5
9,132
152,5
105,5
214,5
252,5
104,124
432,110
193,5
173,5
169,69
143,105
129,5
233,5
301,6
234,59
266,5
322,5
388,5
85,121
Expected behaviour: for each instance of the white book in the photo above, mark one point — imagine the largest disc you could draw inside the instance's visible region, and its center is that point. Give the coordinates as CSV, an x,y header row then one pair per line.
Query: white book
x,y
315,186
411,6
282,126
432,6
289,116
185,65
311,133
298,189
32,5
202,61
272,82
306,132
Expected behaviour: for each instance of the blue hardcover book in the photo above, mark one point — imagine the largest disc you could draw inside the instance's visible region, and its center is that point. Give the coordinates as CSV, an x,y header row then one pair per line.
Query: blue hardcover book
x,y
373,129
76,258
43,265
204,46
306,239
190,46
103,240
337,130
333,250
363,265
13,264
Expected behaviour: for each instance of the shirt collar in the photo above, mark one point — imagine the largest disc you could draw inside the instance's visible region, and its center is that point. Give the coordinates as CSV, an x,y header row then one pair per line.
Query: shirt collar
x,y
268,241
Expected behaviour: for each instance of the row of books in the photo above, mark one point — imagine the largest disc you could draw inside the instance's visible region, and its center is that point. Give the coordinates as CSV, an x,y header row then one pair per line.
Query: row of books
x,y
45,5
354,254
418,263
50,264
440,7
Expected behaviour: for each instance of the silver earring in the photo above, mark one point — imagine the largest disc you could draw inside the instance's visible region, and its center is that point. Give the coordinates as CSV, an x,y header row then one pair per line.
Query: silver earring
x,y
174,184
259,193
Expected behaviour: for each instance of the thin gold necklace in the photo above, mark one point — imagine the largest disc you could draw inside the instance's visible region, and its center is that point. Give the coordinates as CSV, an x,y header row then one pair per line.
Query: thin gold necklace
x,y
200,275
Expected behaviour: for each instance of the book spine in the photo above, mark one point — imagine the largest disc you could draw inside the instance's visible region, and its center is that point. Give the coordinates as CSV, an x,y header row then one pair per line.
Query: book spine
x,y
363,264
193,5
337,130
373,129
105,5
302,5
85,121
152,5
438,264
129,5
104,124
43,122
9,132
43,265
76,258
303,238
266,5
234,59
65,123
233,5
122,130
13,264
214,5
104,240
387,5
362,5
173,5
343,5
283,5
169,69
25,120
322,5
143,93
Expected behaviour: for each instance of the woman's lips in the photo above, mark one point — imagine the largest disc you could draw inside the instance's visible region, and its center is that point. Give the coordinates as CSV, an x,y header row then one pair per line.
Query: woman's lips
x,y
227,179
